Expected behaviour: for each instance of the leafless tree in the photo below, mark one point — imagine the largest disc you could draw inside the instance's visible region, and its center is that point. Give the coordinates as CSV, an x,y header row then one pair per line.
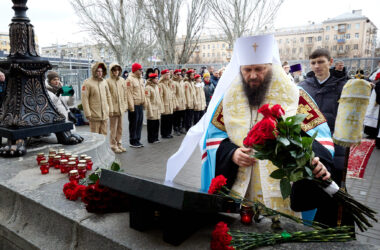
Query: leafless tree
x,y
164,18
236,18
118,24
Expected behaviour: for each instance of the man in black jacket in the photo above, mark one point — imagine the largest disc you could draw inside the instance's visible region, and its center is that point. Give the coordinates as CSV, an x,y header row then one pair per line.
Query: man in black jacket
x,y
326,89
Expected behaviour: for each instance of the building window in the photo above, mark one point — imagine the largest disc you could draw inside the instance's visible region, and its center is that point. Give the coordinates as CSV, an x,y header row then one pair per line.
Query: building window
x,y
335,37
218,54
327,37
348,36
347,47
301,50
279,41
294,50
356,35
217,45
336,27
223,54
208,54
319,38
326,47
208,46
357,26
294,40
341,36
213,46
223,45
287,51
204,46
301,39
348,26
327,27
334,48
340,47
213,54
356,46
309,40
287,40
204,54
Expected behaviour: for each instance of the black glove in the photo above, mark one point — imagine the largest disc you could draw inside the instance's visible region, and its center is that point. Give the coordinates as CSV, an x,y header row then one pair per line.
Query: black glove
x,y
71,91
59,92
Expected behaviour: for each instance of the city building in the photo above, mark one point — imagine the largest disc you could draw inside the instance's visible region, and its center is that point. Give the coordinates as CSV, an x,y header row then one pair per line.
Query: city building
x,y
97,52
350,35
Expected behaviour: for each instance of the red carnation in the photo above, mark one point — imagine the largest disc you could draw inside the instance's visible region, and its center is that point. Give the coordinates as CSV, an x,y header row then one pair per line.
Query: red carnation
x,y
216,184
277,111
221,239
265,111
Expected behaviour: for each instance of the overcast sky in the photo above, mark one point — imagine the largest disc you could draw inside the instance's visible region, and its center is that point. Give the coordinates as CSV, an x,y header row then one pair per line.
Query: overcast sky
x,y
55,20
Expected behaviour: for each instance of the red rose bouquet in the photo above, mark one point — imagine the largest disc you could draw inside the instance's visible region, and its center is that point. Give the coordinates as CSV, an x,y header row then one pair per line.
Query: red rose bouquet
x,y
225,239
279,140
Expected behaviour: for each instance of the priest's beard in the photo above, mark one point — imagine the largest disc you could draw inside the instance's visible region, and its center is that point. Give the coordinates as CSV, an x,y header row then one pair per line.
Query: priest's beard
x,y
256,94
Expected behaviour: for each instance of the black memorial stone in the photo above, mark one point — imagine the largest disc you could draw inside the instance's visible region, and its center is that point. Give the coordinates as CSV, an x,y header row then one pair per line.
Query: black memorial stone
x,y
177,209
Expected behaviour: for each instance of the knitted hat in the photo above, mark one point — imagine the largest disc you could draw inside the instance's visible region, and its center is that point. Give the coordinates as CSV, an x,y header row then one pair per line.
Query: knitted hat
x,y
206,75
177,71
153,75
51,75
165,71
197,76
136,67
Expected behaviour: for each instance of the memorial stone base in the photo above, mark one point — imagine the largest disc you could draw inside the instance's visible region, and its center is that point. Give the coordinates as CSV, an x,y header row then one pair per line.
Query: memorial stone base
x,y
34,214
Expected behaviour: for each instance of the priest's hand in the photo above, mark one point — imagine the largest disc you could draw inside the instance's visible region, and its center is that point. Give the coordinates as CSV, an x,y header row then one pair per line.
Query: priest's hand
x,y
320,170
241,157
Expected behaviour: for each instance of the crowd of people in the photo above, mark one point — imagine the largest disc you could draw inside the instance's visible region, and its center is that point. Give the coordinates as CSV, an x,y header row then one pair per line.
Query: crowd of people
x,y
173,100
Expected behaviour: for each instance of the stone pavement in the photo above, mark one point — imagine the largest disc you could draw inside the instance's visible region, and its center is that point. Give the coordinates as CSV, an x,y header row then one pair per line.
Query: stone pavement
x,y
150,161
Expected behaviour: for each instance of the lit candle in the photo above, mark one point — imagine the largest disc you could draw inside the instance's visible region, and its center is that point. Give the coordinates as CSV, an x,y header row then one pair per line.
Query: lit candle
x,y
63,166
246,214
44,167
89,162
40,157
74,175
82,170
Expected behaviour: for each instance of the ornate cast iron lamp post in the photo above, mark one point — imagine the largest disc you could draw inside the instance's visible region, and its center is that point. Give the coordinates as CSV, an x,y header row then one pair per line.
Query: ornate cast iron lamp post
x,y
26,109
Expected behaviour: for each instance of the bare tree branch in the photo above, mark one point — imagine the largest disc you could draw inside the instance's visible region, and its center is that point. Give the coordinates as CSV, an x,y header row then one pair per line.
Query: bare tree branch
x,y
236,18
119,25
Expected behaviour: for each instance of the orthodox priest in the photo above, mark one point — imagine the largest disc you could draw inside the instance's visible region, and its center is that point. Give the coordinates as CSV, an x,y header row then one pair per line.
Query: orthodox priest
x,y
253,78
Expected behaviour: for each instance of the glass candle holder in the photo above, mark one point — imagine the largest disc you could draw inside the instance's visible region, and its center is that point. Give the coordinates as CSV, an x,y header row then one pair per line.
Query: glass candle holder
x,y
44,167
40,157
83,156
89,162
246,214
82,170
74,175
51,160
76,158
52,151
64,167
67,155
57,161
71,165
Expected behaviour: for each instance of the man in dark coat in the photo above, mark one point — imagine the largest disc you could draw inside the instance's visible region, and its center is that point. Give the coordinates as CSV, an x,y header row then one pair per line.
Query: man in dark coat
x,y
326,89
339,71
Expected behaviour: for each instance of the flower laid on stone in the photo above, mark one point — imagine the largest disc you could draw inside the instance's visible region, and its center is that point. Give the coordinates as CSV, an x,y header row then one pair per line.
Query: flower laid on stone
x,y
218,187
225,239
279,140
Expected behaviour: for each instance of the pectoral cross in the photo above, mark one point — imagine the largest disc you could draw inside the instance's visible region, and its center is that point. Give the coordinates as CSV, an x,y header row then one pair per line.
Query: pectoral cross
x,y
255,46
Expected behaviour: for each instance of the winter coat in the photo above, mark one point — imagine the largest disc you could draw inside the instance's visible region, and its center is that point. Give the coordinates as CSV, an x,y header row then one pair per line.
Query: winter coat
x,y
200,96
122,99
179,93
326,96
153,104
339,74
135,85
167,96
96,96
209,91
62,103
191,100
214,80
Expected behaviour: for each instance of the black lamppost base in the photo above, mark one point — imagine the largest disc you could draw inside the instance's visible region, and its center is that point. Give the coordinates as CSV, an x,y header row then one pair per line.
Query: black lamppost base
x,y
22,133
